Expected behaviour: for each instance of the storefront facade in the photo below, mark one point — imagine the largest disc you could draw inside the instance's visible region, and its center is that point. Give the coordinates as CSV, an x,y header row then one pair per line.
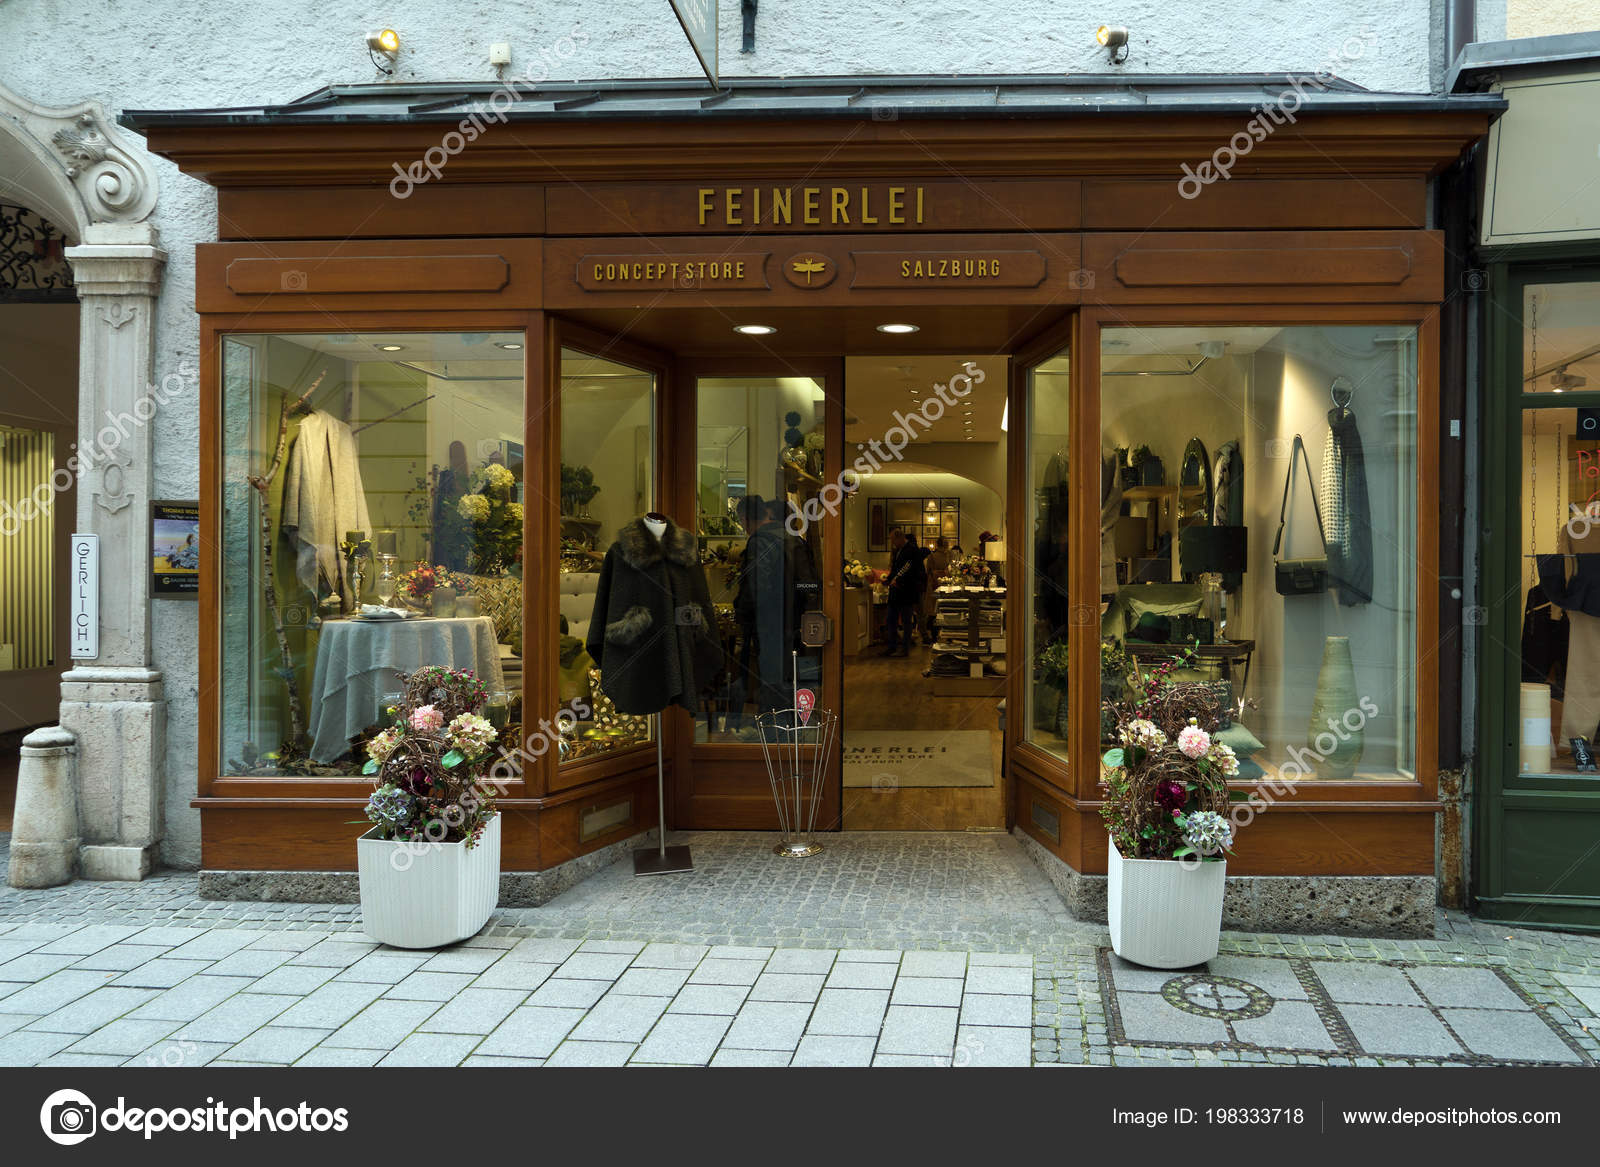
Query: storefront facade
x,y
584,276
1537,245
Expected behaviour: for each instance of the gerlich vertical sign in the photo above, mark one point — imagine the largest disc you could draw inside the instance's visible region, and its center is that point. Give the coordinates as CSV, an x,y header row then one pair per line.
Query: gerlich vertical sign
x,y
85,591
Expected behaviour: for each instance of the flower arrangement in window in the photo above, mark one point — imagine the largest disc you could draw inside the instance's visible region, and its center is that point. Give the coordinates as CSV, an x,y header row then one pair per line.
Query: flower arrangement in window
x,y
415,586
1166,783
856,573
969,571
430,764
494,522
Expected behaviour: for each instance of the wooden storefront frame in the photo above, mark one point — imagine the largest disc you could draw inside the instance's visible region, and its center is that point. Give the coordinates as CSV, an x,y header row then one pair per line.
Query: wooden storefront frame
x,y
1350,188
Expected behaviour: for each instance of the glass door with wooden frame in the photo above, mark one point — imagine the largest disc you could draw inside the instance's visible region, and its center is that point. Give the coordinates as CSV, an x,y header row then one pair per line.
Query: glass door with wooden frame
x,y
756,476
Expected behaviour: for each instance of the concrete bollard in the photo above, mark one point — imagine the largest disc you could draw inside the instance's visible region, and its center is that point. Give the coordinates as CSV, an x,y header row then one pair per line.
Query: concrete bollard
x,y
44,827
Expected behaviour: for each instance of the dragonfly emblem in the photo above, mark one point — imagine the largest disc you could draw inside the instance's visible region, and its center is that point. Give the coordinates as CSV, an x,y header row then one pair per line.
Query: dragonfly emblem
x,y
810,267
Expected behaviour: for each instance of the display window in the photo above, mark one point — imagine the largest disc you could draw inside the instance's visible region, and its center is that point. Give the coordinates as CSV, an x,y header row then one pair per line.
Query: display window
x,y
1259,538
371,523
1049,484
607,479
1558,698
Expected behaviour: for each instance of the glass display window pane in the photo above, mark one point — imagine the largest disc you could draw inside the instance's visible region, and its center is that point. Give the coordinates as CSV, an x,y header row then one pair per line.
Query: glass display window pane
x,y
384,534
1215,438
1561,337
1049,524
607,481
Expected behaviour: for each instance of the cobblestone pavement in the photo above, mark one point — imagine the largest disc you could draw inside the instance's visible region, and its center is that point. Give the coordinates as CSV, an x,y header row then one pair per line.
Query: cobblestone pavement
x,y
947,949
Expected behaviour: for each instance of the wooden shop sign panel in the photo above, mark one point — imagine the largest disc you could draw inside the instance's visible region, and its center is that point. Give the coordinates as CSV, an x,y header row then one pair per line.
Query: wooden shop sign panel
x,y
829,270
1266,266
367,273
812,206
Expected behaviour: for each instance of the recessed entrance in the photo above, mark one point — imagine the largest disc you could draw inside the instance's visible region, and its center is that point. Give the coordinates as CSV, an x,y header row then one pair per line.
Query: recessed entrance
x,y
835,468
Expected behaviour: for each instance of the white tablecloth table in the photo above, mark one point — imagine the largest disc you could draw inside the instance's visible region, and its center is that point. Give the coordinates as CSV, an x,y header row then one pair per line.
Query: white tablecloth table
x,y
357,663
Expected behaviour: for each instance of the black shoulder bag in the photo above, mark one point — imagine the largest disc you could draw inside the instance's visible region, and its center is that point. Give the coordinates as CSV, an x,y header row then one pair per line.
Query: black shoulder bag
x,y
1300,577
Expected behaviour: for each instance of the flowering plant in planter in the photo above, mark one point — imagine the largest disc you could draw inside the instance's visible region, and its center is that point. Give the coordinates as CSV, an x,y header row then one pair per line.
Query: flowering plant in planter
x,y
1166,784
430,763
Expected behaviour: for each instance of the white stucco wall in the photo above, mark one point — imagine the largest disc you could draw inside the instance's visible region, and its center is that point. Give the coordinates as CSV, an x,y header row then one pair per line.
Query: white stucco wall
x,y
156,54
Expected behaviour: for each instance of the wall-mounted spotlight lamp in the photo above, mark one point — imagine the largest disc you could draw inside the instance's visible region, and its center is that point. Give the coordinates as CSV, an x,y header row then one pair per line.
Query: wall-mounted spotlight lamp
x,y
385,44
1114,39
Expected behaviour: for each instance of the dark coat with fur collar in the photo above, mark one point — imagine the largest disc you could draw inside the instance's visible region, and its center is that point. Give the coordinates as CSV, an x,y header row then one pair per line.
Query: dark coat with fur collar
x,y
653,633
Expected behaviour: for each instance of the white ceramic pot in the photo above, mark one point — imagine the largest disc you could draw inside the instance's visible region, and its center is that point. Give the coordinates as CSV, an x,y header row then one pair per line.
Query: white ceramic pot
x,y
424,895
1164,914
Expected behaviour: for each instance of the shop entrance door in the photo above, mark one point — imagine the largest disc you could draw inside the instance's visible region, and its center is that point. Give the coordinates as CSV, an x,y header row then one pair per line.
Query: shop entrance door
x,y
754,447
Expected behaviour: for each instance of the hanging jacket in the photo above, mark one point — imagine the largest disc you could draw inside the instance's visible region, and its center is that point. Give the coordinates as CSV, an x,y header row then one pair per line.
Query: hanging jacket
x,y
1347,517
653,633
322,499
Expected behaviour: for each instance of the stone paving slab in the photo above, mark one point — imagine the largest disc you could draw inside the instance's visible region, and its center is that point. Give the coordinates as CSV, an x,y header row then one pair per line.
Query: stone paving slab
x,y
889,949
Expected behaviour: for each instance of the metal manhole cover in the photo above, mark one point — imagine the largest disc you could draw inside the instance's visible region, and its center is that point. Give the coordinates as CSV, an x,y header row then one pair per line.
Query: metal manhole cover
x,y
1224,998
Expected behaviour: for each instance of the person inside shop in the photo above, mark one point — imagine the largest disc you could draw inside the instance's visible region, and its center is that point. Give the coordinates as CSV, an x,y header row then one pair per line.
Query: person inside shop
x,y
937,564
907,580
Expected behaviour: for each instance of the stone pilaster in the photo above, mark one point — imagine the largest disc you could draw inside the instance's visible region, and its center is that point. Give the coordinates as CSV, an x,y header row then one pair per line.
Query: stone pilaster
x,y
114,704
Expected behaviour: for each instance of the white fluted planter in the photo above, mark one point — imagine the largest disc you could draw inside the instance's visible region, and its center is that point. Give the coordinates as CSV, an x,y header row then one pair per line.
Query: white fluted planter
x,y
1163,913
424,895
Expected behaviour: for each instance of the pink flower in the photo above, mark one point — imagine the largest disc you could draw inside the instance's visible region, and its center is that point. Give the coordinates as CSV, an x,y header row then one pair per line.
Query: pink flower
x,y
426,719
1193,742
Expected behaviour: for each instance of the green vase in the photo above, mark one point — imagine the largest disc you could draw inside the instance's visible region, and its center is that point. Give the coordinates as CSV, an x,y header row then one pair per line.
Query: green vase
x,y
1338,747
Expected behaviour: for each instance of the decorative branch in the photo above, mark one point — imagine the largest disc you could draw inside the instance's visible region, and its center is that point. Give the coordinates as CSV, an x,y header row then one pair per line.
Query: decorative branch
x,y
263,486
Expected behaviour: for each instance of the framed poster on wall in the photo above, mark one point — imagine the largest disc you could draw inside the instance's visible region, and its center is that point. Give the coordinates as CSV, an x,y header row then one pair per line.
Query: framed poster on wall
x,y
877,524
175,549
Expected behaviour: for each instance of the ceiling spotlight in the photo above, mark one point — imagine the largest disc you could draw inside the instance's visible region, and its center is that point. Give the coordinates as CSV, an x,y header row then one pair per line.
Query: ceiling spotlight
x,y
1212,349
508,345
898,328
755,329
389,348
1562,380
1113,37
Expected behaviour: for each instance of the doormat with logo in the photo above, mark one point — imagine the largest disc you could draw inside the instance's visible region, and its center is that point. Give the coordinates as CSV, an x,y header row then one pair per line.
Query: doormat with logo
x,y
891,759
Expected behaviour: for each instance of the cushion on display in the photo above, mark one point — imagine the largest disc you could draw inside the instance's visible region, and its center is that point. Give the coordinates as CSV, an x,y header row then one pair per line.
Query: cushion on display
x,y
1152,628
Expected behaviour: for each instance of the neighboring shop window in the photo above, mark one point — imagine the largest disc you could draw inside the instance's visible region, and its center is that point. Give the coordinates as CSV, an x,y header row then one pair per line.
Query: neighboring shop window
x,y
1559,695
372,523
1047,553
28,534
1308,650
607,481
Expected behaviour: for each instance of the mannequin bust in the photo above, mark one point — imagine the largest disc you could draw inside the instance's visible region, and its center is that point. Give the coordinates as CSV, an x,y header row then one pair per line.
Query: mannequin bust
x,y
656,523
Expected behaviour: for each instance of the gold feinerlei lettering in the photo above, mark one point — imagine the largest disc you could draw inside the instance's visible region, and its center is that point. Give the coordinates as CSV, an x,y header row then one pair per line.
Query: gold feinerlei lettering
x,y
867,217
841,205
810,195
919,204
755,219
707,193
897,204
740,267
905,268
731,205
782,206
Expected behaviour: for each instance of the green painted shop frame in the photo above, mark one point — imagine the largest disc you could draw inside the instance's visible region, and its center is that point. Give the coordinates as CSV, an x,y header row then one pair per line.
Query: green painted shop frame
x,y
1536,837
